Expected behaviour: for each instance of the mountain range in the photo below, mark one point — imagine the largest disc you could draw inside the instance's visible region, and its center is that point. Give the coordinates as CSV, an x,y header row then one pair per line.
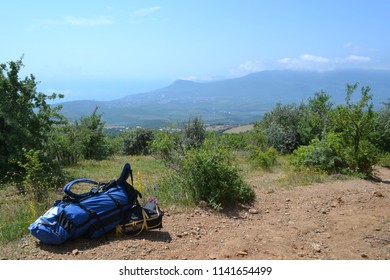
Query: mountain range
x,y
230,101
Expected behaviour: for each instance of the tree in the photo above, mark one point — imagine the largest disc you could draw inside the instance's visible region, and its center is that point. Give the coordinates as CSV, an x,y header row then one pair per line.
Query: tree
x,y
83,139
171,148
281,127
194,133
381,131
315,117
25,118
136,141
92,136
354,122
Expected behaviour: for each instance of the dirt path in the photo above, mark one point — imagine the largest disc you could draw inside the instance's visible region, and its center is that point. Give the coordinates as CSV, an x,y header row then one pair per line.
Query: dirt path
x,y
346,219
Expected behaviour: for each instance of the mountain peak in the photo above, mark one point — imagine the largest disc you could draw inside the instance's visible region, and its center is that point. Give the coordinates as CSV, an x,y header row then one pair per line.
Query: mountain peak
x,y
182,82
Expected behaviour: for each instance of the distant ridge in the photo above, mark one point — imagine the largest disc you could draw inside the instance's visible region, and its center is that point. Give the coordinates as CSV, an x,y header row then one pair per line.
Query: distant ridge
x,y
231,101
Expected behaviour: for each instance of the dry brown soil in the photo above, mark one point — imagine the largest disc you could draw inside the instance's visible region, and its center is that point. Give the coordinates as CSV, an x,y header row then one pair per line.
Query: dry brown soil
x,y
341,220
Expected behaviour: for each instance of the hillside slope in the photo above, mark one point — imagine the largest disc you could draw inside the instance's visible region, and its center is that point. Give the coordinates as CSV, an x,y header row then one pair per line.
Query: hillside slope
x,y
232,101
340,220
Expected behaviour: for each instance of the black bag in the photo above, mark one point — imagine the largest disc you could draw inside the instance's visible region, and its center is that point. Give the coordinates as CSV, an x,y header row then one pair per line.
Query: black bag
x,y
141,218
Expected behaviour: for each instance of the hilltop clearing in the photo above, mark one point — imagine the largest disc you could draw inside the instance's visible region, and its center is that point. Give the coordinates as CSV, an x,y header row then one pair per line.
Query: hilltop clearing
x,y
343,219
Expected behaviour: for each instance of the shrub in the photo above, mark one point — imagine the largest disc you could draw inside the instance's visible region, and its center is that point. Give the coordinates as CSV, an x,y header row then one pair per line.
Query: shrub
x,y
194,133
210,176
264,159
236,141
136,141
320,154
40,175
385,160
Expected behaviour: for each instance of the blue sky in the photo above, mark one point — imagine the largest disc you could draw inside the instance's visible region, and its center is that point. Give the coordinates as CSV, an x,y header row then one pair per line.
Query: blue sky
x,y
106,49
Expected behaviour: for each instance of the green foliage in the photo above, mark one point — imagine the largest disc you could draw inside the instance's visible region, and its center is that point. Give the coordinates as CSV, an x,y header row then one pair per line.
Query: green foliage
x,y
92,137
324,154
202,170
13,222
316,119
211,176
25,118
354,122
169,148
65,144
17,212
136,141
280,127
172,192
380,135
236,141
85,139
264,159
172,147
40,175
194,133
302,177
348,148
385,160
260,153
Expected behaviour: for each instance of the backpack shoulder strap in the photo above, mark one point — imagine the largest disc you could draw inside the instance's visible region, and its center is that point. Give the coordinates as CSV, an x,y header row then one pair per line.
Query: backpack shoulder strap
x,y
126,172
68,188
132,193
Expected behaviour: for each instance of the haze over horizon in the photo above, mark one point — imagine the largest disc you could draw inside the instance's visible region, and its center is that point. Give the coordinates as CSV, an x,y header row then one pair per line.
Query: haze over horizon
x,y
103,50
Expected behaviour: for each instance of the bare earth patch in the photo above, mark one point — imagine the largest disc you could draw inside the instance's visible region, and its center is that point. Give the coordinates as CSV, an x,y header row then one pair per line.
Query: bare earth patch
x,y
340,220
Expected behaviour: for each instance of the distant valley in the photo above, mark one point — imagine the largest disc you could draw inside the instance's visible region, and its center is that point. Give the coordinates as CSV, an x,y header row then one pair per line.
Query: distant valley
x,y
231,101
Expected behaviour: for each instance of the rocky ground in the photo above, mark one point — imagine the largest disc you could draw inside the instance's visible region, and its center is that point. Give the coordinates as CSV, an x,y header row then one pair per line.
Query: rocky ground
x,y
339,220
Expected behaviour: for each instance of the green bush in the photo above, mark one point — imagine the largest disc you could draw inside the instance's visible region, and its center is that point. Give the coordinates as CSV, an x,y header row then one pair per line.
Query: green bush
x,y
209,174
322,154
236,141
41,175
364,160
264,159
331,155
385,160
136,141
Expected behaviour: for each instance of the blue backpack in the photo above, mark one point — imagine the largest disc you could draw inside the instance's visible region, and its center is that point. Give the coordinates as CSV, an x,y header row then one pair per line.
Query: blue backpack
x,y
91,214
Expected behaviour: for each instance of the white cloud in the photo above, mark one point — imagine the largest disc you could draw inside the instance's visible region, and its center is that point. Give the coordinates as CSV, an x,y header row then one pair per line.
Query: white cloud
x,y
251,66
286,60
312,62
313,58
81,21
247,68
358,58
145,12
352,47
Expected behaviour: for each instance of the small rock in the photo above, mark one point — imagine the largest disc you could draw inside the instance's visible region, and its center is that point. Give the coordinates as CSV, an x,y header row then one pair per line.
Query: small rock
x,y
364,256
253,211
179,235
203,204
75,252
323,211
288,200
242,253
316,247
377,194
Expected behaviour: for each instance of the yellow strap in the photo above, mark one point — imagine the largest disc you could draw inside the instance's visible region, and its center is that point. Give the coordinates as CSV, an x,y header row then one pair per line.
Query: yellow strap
x,y
144,226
